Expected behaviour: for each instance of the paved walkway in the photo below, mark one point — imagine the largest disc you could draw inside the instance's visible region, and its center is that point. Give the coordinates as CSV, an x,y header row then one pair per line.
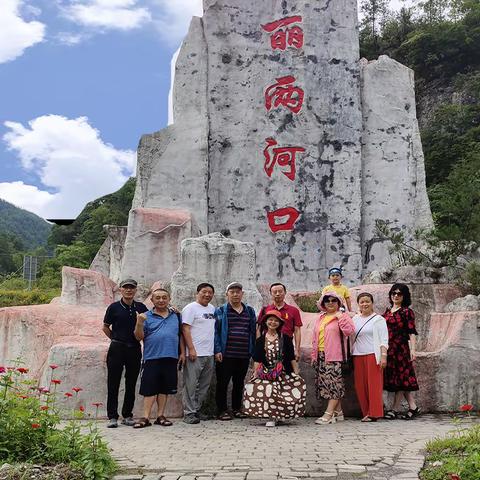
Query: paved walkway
x,y
246,450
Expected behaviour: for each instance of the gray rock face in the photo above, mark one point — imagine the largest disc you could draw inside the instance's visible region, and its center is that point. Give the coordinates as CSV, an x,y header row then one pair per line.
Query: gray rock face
x,y
218,261
108,259
469,303
282,138
393,173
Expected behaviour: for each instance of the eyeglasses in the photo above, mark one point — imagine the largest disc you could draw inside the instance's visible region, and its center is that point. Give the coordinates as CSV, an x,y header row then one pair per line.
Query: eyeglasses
x,y
397,294
331,300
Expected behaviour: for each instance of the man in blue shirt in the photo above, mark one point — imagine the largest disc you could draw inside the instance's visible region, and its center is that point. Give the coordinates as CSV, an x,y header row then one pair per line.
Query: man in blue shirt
x,y
163,353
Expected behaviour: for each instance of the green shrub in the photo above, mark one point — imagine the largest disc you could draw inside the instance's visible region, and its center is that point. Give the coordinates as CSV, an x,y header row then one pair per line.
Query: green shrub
x,y
29,427
456,456
11,298
472,277
308,303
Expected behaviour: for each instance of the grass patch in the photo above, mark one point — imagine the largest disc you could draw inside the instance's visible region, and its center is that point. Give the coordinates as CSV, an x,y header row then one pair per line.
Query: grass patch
x,y
308,303
454,457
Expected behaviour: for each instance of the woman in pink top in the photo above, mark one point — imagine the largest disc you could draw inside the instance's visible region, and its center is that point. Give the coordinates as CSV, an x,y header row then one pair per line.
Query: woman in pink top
x,y
327,355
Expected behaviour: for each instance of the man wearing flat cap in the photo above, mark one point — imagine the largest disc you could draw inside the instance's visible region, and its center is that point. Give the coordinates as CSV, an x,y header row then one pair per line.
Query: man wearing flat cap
x,y
235,326
124,352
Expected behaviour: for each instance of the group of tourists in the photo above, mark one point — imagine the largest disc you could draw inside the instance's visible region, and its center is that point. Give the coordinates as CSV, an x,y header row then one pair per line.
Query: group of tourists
x,y
228,340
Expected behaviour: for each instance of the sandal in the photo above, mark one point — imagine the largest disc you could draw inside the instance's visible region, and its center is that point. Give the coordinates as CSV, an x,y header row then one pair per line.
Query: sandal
x,y
326,419
368,419
239,414
411,414
142,423
391,415
164,422
339,416
225,417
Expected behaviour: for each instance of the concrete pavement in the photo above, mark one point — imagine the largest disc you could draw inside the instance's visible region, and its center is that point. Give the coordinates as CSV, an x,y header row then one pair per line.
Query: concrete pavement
x,y
247,450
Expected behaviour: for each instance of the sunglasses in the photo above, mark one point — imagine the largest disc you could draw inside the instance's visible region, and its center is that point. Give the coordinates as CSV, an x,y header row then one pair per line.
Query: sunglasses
x,y
397,294
331,300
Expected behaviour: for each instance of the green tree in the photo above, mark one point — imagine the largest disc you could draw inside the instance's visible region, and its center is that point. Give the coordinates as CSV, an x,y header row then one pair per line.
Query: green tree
x,y
374,17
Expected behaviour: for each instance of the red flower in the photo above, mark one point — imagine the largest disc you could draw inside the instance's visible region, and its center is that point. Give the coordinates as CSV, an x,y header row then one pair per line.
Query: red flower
x,y
465,408
22,370
23,397
454,476
97,404
76,389
44,390
35,425
56,381
81,408
53,366
44,407
3,369
68,394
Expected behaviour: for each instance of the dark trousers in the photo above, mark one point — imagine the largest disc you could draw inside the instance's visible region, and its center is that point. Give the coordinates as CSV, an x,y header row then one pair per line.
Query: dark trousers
x,y
121,356
233,369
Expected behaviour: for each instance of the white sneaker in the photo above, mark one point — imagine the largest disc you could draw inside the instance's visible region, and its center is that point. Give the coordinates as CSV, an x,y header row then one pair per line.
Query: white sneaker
x,y
271,424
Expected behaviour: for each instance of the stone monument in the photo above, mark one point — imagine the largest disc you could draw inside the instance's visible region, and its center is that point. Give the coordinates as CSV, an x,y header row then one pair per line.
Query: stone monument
x,y
282,138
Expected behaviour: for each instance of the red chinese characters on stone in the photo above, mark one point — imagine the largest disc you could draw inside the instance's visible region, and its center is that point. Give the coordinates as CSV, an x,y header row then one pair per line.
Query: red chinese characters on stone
x,y
281,156
282,37
277,221
284,93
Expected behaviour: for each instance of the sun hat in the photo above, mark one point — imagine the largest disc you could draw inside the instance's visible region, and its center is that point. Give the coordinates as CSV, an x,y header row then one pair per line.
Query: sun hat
x,y
320,303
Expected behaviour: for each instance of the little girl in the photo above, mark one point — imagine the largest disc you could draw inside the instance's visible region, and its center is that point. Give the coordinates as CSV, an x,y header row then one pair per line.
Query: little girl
x,y
276,391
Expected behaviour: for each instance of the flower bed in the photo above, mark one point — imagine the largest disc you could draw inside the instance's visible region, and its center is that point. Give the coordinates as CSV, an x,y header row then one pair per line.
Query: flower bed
x,y
30,432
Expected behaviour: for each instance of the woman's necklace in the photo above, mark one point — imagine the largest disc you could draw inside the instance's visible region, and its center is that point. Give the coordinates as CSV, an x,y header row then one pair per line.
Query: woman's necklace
x,y
395,308
270,337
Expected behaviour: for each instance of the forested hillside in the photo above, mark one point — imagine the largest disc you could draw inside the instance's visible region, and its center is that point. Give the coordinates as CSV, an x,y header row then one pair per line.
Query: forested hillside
x,y
440,41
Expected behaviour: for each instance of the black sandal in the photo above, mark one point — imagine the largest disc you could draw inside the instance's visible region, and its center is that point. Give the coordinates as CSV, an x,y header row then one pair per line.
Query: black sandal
x,y
411,414
142,423
391,415
239,414
225,417
164,422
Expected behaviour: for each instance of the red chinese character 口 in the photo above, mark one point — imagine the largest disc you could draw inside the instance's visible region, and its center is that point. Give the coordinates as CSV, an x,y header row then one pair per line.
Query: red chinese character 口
x,y
283,156
284,93
281,37
276,222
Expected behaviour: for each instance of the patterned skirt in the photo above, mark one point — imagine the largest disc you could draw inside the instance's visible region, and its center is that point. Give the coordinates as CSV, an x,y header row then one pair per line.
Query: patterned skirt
x,y
329,382
278,400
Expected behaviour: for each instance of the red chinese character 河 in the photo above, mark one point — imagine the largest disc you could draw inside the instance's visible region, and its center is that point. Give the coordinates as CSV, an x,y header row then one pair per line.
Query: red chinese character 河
x,y
281,37
283,156
284,93
277,223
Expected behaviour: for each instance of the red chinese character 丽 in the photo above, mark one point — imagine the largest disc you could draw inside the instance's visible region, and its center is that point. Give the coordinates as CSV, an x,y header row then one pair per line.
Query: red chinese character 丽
x,y
283,156
281,37
284,93
283,219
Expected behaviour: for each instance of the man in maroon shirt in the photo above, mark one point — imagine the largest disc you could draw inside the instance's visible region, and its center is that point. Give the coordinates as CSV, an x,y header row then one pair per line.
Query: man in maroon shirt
x,y
290,314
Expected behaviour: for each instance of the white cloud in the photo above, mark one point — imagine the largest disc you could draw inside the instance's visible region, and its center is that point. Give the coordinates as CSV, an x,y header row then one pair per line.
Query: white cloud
x,y
108,14
173,18
16,34
70,157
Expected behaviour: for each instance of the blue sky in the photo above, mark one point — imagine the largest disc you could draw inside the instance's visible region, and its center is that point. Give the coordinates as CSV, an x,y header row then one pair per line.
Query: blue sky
x,y
80,82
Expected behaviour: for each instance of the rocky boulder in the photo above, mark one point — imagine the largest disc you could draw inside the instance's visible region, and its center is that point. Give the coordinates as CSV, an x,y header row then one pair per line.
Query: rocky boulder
x,y
468,303
217,260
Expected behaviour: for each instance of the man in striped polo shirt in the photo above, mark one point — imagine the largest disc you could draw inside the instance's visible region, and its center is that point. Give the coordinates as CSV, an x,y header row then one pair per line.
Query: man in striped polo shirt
x,y
234,342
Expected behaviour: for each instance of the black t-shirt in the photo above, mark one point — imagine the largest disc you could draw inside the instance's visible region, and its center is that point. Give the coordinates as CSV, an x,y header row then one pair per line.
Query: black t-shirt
x,y
123,318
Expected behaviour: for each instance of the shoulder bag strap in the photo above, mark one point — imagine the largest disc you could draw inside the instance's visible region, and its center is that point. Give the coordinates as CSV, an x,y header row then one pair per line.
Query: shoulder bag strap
x,y
355,339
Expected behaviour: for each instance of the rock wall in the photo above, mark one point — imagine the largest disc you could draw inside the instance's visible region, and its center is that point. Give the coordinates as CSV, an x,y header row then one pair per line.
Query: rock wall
x,y
109,258
393,172
152,246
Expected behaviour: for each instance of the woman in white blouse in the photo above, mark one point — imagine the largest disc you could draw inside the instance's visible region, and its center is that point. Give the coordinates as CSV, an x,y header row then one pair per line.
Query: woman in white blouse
x,y
369,350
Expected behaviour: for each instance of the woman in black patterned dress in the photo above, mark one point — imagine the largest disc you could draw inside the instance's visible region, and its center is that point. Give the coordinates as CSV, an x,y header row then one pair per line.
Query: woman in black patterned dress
x,y
399,376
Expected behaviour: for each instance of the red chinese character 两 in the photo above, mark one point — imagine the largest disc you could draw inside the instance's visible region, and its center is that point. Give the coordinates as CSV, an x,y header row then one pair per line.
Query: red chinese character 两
x,y
276,222
283,156
284,93
281,37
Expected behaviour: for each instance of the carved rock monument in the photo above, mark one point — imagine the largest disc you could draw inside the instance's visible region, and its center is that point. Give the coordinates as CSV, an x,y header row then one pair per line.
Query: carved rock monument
x,y
282,138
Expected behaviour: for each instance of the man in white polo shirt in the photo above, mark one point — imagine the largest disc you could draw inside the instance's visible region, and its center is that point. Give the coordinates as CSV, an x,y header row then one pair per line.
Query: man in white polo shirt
x,y
199,332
